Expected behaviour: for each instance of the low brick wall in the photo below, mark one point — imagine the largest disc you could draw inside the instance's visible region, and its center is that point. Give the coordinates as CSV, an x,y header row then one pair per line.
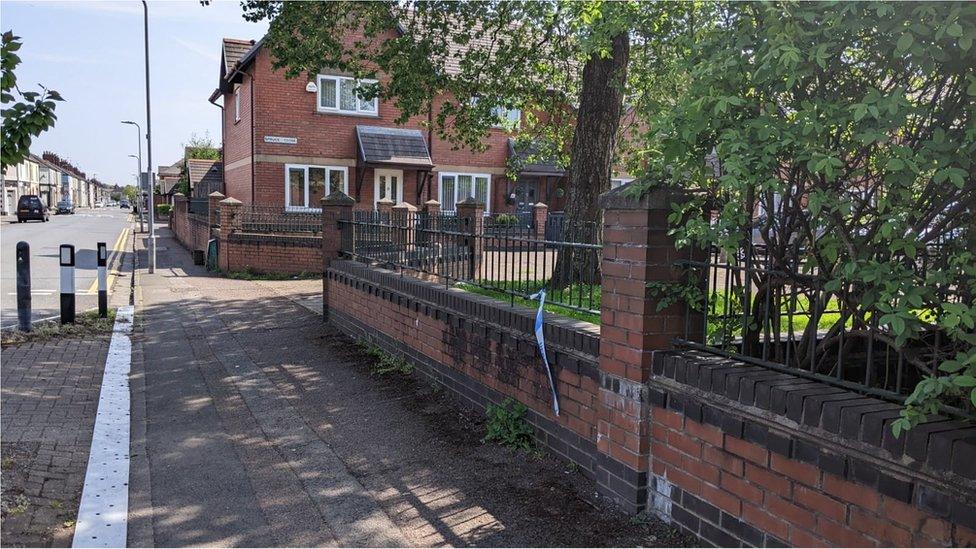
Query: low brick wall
x,y
742,454
265,253
192,231
479,348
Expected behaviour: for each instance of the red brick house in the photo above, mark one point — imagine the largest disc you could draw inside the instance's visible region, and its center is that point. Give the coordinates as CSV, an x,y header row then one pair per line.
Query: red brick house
x,y
284,139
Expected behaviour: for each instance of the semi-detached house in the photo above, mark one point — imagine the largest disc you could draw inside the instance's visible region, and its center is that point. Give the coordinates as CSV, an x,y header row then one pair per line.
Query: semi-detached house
x,y
289,142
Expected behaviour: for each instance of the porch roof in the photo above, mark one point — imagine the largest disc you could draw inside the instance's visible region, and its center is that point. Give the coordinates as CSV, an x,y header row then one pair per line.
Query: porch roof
x,y
520,153
393,147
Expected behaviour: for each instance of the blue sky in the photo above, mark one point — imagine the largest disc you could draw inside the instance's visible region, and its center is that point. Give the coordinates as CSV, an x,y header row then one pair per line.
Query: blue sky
x,y
92,53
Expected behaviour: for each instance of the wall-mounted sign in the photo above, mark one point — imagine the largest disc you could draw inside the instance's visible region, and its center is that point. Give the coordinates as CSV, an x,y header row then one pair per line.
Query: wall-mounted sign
x,y
311,87
281,140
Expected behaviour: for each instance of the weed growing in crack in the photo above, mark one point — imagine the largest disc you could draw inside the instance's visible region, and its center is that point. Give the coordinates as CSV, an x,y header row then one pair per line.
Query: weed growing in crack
x,y
385,363
507,426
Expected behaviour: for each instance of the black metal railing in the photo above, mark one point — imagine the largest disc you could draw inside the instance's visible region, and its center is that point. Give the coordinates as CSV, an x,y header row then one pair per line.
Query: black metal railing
x,y
274,219
508,264
198,206
781,314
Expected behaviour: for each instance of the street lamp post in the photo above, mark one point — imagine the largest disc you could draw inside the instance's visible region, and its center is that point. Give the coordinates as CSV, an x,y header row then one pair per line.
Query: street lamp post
x,y
139,177
152,207
138,204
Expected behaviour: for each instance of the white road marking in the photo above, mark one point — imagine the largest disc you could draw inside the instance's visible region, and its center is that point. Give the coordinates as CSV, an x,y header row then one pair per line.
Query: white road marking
x,y
103,514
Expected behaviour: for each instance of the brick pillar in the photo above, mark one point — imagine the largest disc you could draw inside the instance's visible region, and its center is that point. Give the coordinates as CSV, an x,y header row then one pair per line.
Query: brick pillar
x,y
229,208
472,215
178,213
335,208
540,214
214,198
432,207
384,207
636,250
404,215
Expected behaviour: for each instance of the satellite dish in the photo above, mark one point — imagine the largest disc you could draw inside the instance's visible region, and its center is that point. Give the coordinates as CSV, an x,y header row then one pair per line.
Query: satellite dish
x,y
311,87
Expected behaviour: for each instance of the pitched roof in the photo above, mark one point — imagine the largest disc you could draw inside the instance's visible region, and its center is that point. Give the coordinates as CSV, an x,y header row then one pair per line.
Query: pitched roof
x,y
526,156
395,146
234,49
205,173
171,170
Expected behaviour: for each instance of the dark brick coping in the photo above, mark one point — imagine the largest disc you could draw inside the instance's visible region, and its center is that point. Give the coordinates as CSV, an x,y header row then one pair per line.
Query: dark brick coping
x,y
276,239
842,432
560,332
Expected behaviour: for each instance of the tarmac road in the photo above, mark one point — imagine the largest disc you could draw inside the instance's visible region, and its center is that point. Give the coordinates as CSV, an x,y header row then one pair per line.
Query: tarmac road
x,y
85,229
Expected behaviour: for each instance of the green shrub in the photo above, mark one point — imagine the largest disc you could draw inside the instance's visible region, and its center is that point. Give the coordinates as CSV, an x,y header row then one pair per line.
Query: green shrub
x,y
507,425
506,220
164,209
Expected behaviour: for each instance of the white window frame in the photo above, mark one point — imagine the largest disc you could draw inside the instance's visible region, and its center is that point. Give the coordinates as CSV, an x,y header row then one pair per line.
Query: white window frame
x,y
237,104
457,197
305,167
359,101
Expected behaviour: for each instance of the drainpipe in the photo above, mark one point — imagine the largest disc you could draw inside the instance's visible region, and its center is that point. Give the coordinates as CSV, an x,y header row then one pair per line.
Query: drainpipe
x,y
430,145
223,148
253,138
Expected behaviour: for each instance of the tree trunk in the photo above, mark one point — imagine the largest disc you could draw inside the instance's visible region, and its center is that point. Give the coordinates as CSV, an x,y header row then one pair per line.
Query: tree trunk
x,y
593,147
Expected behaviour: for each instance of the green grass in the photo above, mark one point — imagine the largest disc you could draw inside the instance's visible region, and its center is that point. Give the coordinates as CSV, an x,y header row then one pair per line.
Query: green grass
x,y
580,295
86,324
577,295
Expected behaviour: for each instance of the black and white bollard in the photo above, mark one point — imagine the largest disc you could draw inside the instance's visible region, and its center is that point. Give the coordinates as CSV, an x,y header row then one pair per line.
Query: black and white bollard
x,y
67,284
23,287
102,280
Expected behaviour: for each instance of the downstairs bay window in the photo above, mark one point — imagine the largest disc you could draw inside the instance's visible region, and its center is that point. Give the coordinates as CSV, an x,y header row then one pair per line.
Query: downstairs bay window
x,y
306,186
455,187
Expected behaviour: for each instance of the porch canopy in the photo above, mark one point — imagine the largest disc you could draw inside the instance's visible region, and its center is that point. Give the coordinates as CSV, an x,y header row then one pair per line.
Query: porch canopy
x,y
381,147
526,156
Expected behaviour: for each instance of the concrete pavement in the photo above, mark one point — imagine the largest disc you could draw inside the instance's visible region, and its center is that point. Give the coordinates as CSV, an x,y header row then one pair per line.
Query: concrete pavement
x,y
255,424
84,229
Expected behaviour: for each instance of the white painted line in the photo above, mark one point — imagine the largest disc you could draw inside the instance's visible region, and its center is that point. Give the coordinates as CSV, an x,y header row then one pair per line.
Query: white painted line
x,y
103,514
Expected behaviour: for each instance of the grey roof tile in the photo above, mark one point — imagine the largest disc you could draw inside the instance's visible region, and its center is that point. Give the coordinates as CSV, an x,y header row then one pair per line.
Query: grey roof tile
x,y
398,146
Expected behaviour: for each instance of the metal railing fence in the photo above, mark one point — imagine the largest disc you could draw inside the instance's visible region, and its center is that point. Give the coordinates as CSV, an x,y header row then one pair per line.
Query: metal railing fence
x,y
511,264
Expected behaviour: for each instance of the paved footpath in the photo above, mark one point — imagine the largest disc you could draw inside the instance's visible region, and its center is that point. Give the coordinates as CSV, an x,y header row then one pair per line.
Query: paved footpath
x,y
50,396
252,426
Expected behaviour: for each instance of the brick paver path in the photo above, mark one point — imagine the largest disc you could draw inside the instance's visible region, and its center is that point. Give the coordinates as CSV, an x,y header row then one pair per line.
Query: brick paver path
x,y
50,398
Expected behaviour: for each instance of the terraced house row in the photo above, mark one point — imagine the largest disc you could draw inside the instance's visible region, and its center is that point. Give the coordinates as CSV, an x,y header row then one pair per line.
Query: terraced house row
x,y
289,142
52,179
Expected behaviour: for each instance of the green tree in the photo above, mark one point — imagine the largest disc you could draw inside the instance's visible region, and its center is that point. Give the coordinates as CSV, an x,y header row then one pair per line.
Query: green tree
x,y
196,147
23,119
540,57
130,193
851,125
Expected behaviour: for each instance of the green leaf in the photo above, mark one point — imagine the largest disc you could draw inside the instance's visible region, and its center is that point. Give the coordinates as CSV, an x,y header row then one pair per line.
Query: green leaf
x,y
964,381
905,41
954,30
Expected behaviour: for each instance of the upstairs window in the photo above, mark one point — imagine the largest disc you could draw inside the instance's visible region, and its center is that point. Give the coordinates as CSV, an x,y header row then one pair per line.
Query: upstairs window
x,y
340,94
237,104
506,118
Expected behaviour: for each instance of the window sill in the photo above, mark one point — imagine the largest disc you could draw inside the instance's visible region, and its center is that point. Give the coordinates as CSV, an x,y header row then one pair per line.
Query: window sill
x,y
344,113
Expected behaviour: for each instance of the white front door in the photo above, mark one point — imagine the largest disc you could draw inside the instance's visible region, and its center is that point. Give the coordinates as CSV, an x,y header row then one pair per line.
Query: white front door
x,y
388,184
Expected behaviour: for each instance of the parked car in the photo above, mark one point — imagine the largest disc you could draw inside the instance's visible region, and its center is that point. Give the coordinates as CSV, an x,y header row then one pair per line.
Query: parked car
x,y
29,206
99,204
124,204
65,207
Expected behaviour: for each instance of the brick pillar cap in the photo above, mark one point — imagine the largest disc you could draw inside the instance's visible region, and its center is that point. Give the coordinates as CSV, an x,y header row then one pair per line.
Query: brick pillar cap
x,y
179,195
471,203
231,202
385,201
216,194
540,205
405,206
622,198
338,198
432,202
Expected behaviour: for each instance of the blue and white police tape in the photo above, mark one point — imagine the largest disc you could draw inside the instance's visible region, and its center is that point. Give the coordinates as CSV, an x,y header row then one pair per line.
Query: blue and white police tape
x,y
541,296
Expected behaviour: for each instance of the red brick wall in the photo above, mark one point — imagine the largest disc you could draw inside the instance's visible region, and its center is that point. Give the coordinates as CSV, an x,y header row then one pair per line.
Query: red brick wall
x,y
237,142
193,232
495,359
273,254
795,502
